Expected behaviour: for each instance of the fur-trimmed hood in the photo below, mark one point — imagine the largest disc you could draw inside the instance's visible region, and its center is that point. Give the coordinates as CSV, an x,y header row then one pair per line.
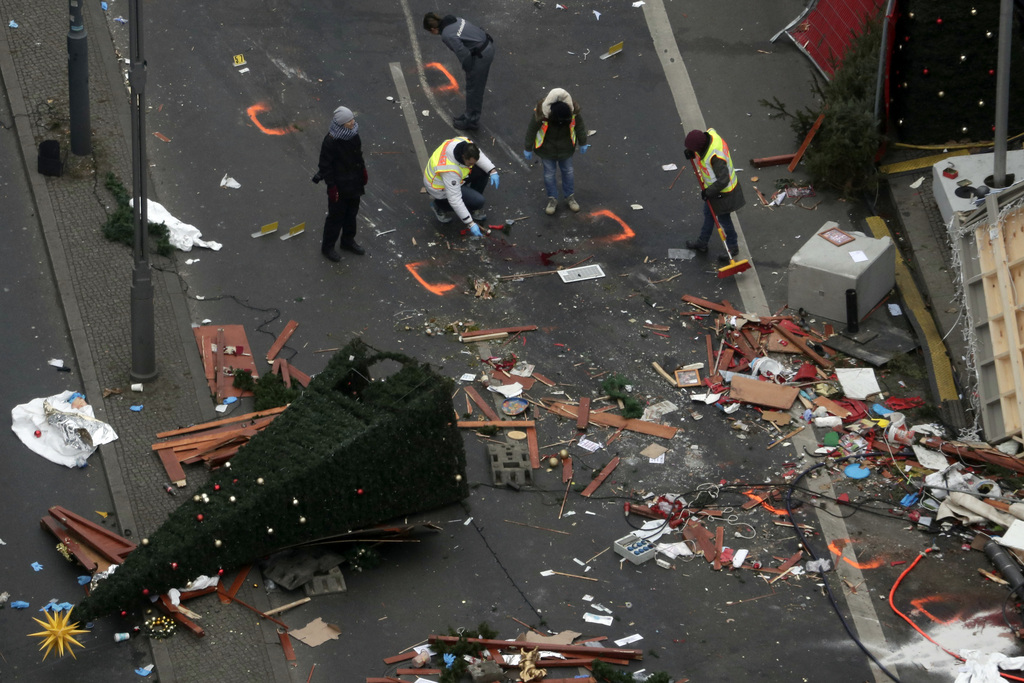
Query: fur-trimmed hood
x,y
543,109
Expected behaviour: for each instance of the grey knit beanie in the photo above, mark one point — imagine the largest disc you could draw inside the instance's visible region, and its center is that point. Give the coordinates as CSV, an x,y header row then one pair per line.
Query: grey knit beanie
x,y
342,115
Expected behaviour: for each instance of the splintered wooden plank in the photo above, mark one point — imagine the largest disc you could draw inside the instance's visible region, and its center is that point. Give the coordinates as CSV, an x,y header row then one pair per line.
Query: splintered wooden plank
x,y
108,544
286,374
544,380
617,421
802,345
299,376
481,403
719,542
165,604
608,469
218,365
794,558
73,547
217,423
583,416
566,470
503,424
171,466
531,442
468,336
696,532
282,339
404,657
227,595
723,307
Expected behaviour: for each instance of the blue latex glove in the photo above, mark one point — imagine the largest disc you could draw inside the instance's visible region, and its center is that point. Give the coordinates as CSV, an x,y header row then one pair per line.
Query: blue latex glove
x,y
494,179
449,659
527,154
475,230
584,148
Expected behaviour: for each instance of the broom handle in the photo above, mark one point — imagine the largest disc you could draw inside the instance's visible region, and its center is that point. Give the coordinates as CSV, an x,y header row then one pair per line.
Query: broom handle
x,y
721,232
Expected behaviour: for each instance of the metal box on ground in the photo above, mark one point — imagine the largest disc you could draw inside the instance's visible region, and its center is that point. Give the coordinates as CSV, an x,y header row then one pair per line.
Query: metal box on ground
x,y
821,272
636,550
510,464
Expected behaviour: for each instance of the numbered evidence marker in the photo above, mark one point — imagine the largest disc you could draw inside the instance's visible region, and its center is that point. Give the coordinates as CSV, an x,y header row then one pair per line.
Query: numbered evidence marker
x,y
613,50
292,232
239,60
266,229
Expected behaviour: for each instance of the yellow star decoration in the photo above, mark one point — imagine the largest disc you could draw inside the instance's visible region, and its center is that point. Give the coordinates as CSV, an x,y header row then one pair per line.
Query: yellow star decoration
x,y
58,633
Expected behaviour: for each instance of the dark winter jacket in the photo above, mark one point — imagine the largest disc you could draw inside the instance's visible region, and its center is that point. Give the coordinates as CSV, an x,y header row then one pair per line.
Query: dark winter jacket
x,y
557,144
341,165
724,202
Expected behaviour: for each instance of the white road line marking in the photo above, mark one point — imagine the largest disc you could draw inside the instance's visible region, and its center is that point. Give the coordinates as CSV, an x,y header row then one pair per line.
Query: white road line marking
x,y
410,114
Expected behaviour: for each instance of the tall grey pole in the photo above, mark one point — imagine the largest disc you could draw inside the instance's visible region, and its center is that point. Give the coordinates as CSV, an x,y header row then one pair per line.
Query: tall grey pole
x,y
78,81
1002,92
883,53
143,331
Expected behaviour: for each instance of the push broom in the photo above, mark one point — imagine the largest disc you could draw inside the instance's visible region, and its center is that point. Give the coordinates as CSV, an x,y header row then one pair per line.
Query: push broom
x,y
735,267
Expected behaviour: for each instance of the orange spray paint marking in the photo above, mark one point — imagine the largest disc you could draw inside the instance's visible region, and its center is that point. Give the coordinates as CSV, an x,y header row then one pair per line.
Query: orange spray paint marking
x,y
837,548
919,604
452,83
433,289
762,502
627,232
261,107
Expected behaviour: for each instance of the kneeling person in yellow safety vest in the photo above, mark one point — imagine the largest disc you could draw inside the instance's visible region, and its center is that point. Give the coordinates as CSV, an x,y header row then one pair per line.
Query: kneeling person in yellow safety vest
x,y
455,178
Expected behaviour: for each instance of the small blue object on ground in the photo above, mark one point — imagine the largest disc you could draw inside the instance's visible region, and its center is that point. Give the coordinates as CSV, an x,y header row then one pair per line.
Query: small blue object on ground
x,y
855,471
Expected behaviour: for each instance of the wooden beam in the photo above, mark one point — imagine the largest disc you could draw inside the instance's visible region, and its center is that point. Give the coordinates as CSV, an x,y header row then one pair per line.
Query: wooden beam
x,y
282,339
1007,297
502,424
579,650
617,421
531,443
802,345
762,162
481,403
216,423
806,143
583,413
608,469
469,336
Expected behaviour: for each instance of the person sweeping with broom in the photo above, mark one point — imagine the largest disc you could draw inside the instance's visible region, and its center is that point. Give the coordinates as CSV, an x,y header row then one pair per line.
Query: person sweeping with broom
x,y
722,194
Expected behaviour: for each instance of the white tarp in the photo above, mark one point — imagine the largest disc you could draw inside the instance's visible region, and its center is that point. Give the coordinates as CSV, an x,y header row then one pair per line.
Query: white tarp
x,y
182,235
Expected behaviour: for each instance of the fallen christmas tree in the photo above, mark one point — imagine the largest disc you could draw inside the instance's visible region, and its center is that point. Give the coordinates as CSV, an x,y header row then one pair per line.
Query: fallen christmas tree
x,y
347,454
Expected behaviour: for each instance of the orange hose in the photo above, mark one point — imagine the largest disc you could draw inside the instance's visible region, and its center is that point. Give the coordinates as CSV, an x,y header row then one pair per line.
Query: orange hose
x,y
892,592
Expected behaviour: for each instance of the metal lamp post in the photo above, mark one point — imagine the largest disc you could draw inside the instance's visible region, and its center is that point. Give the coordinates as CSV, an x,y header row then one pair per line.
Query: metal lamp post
x,y
78,81
143,332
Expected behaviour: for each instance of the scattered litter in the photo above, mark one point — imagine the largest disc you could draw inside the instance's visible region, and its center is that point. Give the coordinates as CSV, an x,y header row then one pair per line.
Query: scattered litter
x,y
389,98
669,167
895,310
681,254
425,112
229,182
638,3
588,445
596,619
120,20
12,23
856,471
56,362
636,207
467,377
19,604
628,639
917,183
581,273
507,390
858,383
316,632
654,451
37,567
135,408
145,670
597,15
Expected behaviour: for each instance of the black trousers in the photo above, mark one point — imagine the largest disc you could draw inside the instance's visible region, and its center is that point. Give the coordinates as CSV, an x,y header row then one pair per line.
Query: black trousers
x,y
340,221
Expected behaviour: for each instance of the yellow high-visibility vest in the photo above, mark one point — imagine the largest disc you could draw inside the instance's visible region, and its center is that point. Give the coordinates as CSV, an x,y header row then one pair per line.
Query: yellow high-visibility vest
x,y
543,130
717,148
443,161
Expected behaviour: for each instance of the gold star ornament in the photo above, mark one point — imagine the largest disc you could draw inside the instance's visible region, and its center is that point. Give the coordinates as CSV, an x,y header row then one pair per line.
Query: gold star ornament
x,y
58,633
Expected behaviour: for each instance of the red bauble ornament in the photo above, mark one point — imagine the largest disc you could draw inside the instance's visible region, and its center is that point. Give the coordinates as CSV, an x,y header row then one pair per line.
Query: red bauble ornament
x,y
145,591
220,572
174,565
199,517
924,71
991,72
234,481
939,21
38,433
124,613
359,491
216,487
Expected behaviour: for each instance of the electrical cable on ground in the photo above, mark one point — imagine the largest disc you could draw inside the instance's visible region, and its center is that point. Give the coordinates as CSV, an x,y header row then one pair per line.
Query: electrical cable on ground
x,y
828,588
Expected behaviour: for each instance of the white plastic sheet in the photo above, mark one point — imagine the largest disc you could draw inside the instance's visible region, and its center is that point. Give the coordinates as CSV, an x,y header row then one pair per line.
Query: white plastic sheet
x,y
182,235
29,417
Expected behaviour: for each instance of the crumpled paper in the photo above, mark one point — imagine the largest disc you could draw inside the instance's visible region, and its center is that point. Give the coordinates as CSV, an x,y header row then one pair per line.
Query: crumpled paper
x,y
983,667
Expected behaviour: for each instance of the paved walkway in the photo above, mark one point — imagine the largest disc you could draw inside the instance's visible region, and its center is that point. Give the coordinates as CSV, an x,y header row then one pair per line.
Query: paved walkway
x,y
94,277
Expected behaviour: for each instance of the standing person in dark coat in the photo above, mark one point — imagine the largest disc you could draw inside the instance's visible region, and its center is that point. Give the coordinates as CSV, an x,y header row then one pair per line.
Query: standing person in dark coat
x,y
722,191
556,129
474,49
342,168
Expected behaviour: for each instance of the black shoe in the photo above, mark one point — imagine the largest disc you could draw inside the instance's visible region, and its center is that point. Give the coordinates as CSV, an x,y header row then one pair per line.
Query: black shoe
x,y
463,124
699,247
331,255
479,215
353,247
724,258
